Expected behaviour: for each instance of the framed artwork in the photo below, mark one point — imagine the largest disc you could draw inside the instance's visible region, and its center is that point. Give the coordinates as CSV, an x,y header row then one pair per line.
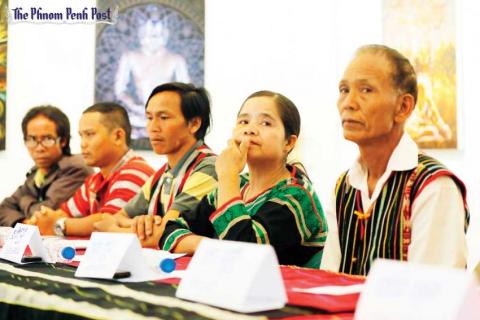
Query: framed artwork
x,y
150,43
3,70
424,31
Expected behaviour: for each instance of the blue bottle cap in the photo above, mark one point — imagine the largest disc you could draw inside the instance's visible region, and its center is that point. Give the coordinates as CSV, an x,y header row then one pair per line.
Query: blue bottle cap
x,y
68,253
168,265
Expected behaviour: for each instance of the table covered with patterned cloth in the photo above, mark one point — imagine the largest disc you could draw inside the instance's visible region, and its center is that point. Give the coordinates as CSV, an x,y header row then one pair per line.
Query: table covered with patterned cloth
x,y
46,291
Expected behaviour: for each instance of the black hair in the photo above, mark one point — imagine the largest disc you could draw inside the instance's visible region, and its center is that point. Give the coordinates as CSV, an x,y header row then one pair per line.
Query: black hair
x,y
114,116
286,108
55,115
194,103
404,76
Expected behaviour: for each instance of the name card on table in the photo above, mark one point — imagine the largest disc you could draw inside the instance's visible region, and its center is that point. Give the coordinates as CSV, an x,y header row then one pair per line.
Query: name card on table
x,y
239,276
108,253
23,235
400,290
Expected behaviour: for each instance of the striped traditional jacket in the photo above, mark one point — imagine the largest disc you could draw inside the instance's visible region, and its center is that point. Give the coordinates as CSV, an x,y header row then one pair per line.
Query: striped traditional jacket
x,y
384,231
166,185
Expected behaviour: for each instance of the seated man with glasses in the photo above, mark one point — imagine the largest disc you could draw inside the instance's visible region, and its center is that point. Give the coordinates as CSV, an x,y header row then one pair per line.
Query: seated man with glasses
x,y
56,174
105,131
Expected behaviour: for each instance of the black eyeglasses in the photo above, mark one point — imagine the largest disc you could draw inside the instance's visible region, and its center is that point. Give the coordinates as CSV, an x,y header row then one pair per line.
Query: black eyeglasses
x,y
47,142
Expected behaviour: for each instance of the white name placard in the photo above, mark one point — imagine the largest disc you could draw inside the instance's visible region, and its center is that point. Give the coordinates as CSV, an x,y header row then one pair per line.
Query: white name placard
x,y
23,235
399,290
239,276
108,253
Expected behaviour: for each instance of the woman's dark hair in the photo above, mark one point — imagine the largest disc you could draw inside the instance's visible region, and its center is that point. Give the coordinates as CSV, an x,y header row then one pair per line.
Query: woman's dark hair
x,y
290,118
55,115
404,76
286,108
114,116
194,103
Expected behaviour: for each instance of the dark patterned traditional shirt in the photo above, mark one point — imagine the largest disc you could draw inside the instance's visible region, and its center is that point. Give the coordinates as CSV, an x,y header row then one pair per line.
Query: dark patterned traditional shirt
x,y
287,216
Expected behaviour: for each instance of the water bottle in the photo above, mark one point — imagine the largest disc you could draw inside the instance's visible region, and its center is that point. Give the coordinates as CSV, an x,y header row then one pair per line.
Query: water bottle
x,y
167,265
66,254
60,251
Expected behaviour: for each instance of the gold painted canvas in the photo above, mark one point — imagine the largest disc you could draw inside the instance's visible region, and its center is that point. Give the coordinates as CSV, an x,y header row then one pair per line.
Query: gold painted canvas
x,y
424,31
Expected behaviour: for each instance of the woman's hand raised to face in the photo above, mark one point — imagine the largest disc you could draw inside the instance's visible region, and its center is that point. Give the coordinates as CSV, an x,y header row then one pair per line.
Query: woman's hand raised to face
x,y
233,158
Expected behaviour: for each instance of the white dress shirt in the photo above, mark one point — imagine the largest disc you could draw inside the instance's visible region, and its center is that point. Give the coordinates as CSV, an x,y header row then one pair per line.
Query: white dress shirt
x,y
437,220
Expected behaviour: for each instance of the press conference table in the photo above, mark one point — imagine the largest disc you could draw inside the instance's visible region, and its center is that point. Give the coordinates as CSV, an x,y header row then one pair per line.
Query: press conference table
x,y
47,291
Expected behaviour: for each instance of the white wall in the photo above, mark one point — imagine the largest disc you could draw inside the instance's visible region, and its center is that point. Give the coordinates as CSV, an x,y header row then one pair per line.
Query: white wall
x,y
47,63
298,48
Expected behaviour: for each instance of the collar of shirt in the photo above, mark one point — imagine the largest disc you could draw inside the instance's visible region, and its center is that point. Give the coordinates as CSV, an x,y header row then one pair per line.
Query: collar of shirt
x,y
404,157
126,157
39,178
99,181
173,172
